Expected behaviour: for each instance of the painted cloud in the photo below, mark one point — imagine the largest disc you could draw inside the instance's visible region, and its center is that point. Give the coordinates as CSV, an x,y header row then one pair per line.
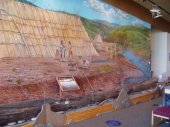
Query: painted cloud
x,y
106,10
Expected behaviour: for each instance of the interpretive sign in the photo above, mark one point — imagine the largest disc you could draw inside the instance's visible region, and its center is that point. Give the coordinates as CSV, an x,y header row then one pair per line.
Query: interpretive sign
x,y
67,83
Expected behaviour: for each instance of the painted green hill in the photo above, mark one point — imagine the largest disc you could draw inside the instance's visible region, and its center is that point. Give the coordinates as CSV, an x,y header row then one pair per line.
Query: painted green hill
x,y
134,38
98,26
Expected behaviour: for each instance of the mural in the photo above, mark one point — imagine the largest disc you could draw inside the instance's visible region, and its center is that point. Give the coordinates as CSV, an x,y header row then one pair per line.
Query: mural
x,y
99,47
109,25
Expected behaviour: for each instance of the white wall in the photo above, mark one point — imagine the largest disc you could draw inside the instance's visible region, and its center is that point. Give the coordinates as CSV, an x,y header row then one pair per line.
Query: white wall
x,y
159,53
168,56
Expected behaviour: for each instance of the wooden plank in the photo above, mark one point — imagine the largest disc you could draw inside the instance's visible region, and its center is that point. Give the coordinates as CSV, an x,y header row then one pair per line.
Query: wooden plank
x,y
88,113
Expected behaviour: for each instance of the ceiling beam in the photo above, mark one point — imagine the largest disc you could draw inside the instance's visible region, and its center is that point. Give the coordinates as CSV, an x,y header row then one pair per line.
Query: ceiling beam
x,y
139,11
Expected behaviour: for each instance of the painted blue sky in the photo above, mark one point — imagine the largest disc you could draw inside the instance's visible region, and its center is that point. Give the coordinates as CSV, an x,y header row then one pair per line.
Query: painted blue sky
x,y
92,9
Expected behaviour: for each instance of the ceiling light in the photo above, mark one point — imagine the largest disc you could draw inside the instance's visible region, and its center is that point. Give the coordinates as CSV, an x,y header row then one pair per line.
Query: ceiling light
x,y
155,11
157,16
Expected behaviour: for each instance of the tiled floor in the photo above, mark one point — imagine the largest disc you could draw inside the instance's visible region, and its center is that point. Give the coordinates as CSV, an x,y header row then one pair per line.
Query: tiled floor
x,y
135,116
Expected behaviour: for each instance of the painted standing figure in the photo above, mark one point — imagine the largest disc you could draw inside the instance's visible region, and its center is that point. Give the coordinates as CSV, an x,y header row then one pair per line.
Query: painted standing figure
x,y
70,52
57,55
62,51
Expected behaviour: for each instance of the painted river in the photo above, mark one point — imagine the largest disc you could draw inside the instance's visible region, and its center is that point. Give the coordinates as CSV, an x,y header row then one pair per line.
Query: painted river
x,y
141,64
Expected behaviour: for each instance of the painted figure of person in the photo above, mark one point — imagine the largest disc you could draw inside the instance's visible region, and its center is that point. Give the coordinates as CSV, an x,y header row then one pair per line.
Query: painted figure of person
x,y
80,61
86,64
83,63
70,51
62,51
57,55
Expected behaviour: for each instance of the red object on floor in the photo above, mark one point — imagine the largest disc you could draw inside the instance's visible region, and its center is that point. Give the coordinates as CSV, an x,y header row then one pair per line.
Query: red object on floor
x,y
163,111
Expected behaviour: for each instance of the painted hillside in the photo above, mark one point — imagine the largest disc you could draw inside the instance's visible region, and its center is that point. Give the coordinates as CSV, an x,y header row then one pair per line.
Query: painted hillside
x,y
98,26
134,38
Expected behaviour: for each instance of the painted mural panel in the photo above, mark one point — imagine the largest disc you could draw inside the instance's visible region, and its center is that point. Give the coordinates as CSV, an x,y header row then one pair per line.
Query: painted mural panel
x,y
102,47
105,23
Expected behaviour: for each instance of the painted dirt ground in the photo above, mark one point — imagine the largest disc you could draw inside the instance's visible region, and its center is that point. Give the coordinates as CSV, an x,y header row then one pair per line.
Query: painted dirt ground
x,y
26,79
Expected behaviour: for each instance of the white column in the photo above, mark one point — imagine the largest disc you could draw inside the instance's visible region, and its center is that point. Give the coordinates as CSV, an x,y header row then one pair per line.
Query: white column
x,y
168,55
159,53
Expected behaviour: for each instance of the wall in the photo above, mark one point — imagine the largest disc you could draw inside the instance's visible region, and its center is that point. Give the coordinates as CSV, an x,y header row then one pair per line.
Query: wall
x,y
168,55
159,53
